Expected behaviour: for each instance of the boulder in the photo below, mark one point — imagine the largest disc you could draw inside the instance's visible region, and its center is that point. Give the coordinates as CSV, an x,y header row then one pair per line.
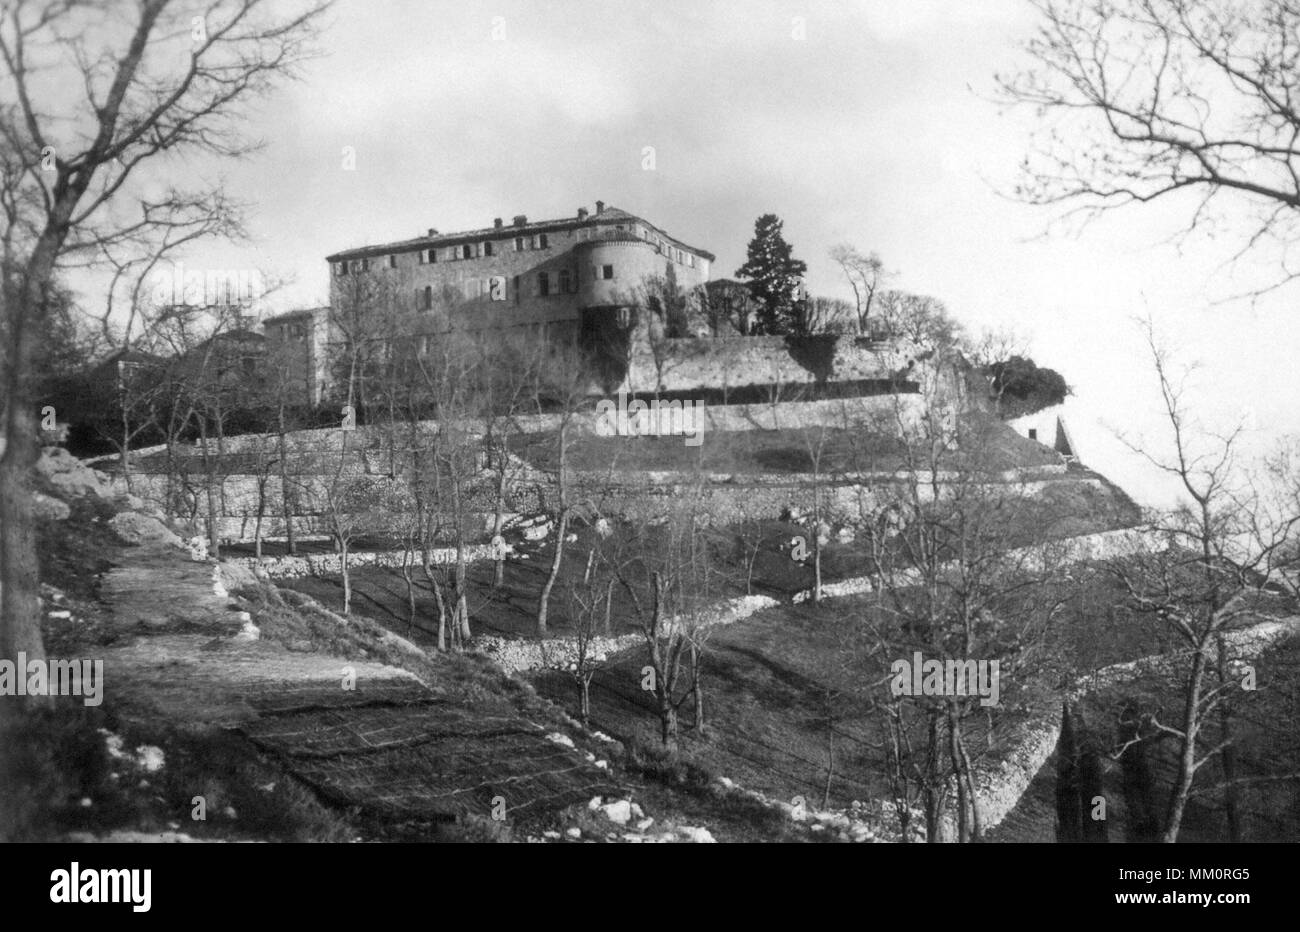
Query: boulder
x,y
69,475
48,508
235,576
619,812
136,528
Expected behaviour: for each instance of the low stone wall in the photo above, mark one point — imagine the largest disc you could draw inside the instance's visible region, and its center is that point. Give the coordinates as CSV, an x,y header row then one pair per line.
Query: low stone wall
x,y
691,364
1100,546
518,655
331,564
366,440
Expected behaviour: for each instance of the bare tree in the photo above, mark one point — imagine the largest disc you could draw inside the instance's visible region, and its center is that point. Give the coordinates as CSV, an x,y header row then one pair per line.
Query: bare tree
x,y
866,275
589,615
1143,100
1226,547
94,95
960,577
669,577
564,388
728,307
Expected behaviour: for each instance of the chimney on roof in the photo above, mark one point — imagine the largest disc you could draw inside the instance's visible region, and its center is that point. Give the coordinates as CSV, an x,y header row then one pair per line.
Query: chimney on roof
x,y
496,223
600,207
432,231
582,213
520,220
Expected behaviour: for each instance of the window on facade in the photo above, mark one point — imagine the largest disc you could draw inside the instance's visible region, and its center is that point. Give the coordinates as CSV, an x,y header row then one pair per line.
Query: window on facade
x,y
516,289
519,244
297,331
467,251
566,281
541,241
543,284
487,248
426,298
607,271
433,255
341,269
392,261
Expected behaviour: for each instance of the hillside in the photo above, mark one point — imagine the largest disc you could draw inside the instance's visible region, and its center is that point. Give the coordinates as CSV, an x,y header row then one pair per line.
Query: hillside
x,y
291,723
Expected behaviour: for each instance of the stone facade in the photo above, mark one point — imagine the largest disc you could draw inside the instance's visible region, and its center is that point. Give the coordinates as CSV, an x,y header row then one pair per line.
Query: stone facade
x,y
542,274
722,363
296,355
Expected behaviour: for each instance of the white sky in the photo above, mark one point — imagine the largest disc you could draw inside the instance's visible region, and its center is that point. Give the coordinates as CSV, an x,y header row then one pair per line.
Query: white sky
x,y
876,129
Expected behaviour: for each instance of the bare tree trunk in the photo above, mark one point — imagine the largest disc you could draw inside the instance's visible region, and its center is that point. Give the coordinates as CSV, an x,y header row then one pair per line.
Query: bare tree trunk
x,y
290,541
898,782
347,576
667,720
210,494
1228,756
976,820
125,459
437,597
462,603
817,565
261,510
935,789
963,802
584,697
408,557
609,599
19,580
1187,750
499,560
697,689
544,601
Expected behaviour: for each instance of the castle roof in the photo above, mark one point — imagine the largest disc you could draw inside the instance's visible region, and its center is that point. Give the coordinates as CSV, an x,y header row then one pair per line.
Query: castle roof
x,y
607,216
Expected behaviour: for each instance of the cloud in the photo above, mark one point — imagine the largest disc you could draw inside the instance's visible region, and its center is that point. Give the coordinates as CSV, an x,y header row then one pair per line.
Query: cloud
x,y
909,20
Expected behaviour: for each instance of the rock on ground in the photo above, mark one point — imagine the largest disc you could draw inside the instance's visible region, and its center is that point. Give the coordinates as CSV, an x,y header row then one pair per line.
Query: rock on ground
x,y
141,529
50,509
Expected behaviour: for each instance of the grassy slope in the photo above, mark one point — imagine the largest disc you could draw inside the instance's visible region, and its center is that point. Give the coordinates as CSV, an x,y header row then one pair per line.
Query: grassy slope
x,y
768,451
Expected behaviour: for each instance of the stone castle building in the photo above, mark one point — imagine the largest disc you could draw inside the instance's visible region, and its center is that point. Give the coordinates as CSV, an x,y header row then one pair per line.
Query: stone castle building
x,y
555,276
297,354
564,279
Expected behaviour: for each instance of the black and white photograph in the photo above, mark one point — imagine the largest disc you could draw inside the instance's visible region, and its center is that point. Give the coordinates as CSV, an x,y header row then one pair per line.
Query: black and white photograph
x,y
665,422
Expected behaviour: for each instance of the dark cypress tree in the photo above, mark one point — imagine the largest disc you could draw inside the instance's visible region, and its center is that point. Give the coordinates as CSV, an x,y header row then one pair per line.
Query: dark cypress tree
x,y
1142,813
773,276
1069,827
1090,787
